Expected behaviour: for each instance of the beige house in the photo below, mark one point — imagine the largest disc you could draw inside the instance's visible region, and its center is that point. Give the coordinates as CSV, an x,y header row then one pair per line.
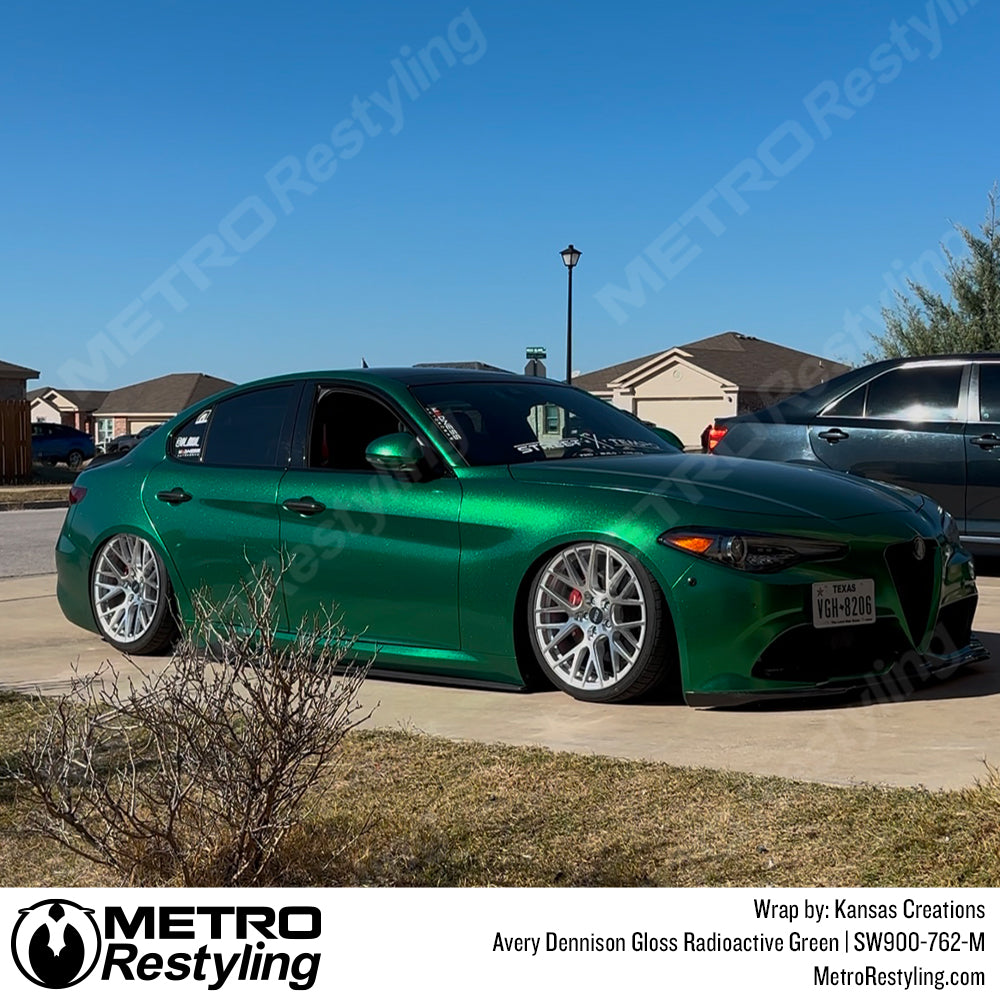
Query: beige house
x,y
685,388
71,407
129,409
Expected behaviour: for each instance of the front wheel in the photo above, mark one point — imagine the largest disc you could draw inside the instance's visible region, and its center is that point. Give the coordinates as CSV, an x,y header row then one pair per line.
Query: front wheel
x,y
74,459
131,595
597,623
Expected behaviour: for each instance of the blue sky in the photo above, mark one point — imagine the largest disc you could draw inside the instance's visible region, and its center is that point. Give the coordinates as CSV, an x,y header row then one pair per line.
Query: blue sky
x,y
248,188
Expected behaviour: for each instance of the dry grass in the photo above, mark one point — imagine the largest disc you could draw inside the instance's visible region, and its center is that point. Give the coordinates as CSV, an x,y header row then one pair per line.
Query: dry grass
x,y
48,482
408,809
18,495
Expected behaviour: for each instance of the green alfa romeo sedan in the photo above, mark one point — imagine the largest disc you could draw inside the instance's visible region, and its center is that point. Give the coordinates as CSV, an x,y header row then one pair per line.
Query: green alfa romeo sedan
x,y
505,531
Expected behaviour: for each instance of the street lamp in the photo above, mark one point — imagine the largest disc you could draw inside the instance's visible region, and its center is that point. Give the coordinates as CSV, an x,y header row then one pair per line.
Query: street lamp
x,y
570,256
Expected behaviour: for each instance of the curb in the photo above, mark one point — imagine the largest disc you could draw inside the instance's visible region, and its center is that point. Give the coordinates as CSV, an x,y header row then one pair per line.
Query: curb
x,y
34,505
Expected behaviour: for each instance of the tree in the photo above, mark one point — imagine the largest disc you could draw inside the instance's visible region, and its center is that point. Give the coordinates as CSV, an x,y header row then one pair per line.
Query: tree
x,y
969,321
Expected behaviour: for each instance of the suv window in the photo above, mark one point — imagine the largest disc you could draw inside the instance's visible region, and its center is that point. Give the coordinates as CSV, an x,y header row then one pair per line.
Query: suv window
x,y
245,430
929,392
989,393
851,405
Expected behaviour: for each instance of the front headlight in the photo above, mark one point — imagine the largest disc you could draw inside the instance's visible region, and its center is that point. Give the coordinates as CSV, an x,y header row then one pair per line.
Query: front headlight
x,y
753,553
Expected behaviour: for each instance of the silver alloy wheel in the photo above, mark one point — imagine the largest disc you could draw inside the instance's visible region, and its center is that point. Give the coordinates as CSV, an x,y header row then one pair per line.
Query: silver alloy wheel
x,y
127,588
589,616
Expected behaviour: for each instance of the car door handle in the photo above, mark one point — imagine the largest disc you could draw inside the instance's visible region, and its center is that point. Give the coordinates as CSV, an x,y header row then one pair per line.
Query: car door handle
x,y
174,496
834,435
987,441
304,505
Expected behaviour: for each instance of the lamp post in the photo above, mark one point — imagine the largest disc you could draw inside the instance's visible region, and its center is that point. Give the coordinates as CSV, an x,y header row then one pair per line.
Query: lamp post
x,y
570,256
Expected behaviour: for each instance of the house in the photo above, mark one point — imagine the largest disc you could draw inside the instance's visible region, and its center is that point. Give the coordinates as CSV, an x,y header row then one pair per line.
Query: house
x,y
14,380
15,422
478,366
72,407
685,388
129,409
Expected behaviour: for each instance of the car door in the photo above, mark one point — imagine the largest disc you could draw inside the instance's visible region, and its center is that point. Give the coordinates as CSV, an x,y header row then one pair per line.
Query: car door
x,y
982,453
213,499
380,551
906,427
40,442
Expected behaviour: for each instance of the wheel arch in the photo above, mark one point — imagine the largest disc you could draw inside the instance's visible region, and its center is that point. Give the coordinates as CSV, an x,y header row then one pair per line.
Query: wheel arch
x,y
179,597
531,672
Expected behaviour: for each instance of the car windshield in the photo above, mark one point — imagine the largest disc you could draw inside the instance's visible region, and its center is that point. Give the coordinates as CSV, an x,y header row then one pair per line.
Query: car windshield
x,y
502,423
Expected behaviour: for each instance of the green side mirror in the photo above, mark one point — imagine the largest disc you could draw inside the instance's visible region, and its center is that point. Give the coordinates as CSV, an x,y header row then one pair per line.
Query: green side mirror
x,y
395,453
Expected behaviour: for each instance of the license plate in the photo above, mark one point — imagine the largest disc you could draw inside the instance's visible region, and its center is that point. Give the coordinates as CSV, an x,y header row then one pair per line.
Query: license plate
x,y
843,602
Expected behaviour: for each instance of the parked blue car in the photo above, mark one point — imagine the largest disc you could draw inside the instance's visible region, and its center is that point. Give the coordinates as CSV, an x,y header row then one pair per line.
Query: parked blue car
x,y
51,443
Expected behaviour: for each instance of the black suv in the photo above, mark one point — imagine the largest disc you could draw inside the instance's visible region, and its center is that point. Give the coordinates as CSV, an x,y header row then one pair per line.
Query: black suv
x,y
929,424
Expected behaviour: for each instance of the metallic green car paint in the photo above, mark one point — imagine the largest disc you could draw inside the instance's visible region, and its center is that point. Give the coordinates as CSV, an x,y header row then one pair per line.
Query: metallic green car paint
x,y
385,551
228,524
436,571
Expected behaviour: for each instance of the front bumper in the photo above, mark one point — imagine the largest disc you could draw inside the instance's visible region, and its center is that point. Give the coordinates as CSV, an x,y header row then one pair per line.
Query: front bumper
x,y
746,637
898,682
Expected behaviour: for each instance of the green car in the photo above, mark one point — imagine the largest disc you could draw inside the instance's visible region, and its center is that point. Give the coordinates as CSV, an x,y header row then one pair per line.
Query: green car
x,y
502,530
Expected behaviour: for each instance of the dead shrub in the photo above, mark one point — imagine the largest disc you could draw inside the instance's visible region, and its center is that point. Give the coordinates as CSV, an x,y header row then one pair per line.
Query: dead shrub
x,y
198,772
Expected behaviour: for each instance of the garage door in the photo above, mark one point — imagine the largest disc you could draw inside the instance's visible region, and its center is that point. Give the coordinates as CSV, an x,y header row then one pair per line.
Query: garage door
x,y
687,418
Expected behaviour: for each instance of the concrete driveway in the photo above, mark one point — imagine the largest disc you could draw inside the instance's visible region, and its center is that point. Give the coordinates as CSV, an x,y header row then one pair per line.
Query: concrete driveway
x,y
937,737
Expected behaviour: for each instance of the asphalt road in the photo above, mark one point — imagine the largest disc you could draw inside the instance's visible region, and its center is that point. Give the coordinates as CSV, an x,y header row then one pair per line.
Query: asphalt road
x,y
27,541
937,737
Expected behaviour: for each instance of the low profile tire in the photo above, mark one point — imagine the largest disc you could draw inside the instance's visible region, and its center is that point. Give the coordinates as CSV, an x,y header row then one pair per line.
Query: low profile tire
x,y
74,459
598,625
131,595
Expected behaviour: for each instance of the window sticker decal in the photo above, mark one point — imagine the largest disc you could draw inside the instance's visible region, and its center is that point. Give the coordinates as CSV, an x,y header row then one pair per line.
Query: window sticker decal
x,y
450,430
188,446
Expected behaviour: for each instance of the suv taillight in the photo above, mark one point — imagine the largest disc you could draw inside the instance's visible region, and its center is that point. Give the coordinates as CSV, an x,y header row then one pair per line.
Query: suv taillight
x,y
715,435
76,494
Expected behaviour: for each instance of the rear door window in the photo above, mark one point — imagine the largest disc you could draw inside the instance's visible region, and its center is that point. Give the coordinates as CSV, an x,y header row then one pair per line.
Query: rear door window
x,y
249,430
928,392
851,405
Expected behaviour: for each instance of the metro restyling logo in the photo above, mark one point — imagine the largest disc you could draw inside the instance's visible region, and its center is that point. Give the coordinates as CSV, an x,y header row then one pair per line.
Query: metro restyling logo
x,y
57,943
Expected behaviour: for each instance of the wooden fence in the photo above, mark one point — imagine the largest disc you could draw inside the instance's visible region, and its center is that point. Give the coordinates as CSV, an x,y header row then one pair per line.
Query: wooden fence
x,y
15,440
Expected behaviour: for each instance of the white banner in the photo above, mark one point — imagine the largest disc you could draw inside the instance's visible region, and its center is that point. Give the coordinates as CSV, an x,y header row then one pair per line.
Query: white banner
x,y
501,942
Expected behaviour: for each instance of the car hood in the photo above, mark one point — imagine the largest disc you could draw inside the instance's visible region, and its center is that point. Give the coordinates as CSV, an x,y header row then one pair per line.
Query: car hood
x,y
731,484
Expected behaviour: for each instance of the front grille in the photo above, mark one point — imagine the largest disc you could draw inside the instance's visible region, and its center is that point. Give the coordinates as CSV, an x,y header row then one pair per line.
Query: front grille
x,y
805,653
915,581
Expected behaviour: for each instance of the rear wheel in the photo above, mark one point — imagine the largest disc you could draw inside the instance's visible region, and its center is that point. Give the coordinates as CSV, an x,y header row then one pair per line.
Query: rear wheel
x,y
597,623
131,595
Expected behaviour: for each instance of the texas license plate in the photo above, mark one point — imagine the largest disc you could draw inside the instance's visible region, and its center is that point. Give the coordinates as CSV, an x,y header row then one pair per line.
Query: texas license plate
x,y
843,602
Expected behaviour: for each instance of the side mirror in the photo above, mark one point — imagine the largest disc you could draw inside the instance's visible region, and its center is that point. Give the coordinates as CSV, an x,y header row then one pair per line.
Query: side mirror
x,y
395,453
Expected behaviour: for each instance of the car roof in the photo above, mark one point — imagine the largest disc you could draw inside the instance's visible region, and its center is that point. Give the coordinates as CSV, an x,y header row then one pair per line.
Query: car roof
x,y
819,395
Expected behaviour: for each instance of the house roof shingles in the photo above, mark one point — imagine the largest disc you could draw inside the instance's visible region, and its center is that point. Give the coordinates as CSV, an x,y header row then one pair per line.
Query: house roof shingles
x,y
159,396
7,370
479,366
85,400
745,361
